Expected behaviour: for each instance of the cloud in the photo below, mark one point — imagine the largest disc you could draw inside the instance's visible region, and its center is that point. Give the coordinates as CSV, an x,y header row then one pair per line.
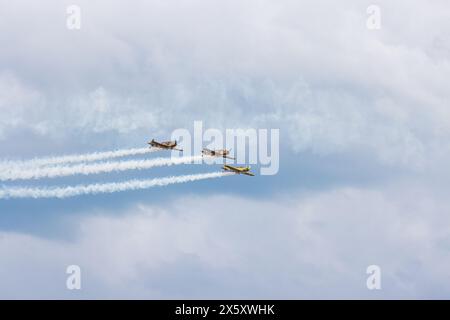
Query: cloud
x,y
15,102
315,71
334,88
305,246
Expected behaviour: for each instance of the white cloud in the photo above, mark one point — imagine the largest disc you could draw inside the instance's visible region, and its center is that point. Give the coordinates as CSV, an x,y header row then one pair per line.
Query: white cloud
x,y
18,104
314,70
169,65
315,245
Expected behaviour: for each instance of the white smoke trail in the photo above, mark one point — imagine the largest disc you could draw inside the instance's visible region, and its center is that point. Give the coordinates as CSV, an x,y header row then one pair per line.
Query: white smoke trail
x,y
64,192
88,157
91,168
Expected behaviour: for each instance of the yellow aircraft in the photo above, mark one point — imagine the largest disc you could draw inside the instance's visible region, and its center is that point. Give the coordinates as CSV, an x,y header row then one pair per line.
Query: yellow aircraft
x,y
217,153
167,145
238,170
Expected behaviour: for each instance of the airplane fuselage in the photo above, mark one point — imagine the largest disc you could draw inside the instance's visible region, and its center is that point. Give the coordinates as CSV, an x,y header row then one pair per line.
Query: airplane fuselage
x,y
170,145
238,170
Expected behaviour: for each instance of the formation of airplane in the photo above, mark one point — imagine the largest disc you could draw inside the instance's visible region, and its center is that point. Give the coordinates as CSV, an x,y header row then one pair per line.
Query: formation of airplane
x,y
171,145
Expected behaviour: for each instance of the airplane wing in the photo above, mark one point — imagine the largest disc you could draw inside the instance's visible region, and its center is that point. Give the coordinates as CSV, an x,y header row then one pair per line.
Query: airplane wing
x,y
248,174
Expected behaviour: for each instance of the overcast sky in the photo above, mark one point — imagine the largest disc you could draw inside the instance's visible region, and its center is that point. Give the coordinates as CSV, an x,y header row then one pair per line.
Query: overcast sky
x,y
364,124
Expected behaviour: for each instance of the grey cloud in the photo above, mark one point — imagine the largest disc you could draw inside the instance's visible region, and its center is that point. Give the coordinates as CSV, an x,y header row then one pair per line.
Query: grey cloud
x,y
316,246
314,70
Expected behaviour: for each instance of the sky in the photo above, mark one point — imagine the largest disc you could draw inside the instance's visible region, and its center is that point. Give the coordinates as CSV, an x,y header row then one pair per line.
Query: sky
x,y
364,123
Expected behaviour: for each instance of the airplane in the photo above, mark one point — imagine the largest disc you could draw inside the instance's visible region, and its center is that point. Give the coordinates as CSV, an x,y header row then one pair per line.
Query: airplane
x,y
168,145
217,153
238,170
